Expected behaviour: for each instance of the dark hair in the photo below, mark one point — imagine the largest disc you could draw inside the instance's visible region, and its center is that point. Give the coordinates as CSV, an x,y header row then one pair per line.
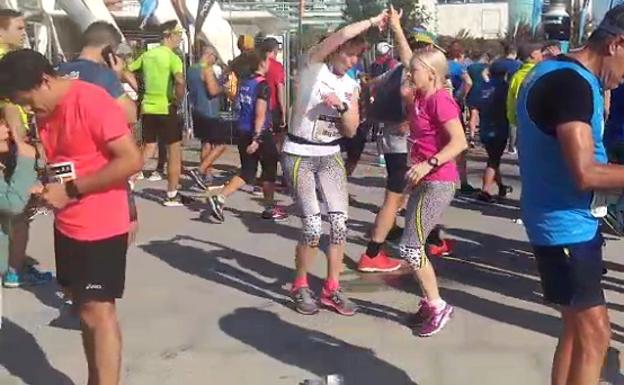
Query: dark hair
x,y
6,15
23,70
609,29
201,48
255,58
270,44
167,27
101,33
508,48
455,50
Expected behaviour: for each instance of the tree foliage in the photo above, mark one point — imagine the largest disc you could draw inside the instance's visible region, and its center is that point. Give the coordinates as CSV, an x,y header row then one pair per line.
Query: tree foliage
x,y
414,14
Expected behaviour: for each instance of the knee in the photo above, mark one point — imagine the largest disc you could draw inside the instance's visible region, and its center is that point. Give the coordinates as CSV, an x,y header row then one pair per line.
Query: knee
x,y
415,256
312,227
595,337
98,314
338,228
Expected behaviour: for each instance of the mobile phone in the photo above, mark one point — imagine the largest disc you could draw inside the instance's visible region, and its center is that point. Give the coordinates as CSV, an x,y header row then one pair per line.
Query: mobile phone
x,y
109,56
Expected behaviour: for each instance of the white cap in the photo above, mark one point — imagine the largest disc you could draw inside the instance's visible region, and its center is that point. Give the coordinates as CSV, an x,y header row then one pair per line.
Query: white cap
x,y
383,48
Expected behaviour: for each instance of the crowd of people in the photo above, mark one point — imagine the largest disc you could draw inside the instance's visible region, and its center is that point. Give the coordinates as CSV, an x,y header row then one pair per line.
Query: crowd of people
x,y
425,106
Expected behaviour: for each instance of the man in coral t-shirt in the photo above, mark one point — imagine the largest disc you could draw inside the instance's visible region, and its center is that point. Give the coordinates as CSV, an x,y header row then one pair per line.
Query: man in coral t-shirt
x,y
91,154
276,78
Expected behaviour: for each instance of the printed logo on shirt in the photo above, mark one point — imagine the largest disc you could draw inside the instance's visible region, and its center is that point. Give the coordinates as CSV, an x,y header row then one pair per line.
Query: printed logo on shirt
x,y
74,75
93,286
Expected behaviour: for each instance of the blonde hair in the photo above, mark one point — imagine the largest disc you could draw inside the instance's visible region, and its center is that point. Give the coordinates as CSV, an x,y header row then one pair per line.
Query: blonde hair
x,y
435,61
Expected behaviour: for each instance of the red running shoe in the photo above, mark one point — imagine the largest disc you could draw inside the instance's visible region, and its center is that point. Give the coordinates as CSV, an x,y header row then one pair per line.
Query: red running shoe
x,y
442,250
379,264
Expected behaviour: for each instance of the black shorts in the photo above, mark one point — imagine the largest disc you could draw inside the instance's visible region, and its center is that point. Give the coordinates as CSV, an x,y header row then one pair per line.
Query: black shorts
x,y
571,275
396,167
209,130
266,155
91,270
165,128
495,149
276,117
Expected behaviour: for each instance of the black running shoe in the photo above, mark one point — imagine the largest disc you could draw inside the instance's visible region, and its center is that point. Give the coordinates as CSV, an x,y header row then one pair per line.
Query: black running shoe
x,y
216,206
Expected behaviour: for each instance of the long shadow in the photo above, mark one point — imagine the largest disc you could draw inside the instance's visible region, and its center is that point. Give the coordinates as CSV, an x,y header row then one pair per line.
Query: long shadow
x,y
310,350
482,157
21,355
269,281
507,209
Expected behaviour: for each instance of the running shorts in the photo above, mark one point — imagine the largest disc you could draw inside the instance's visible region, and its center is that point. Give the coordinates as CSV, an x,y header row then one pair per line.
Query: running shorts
x,y
571,275
165,128
91,270
209,130
396,167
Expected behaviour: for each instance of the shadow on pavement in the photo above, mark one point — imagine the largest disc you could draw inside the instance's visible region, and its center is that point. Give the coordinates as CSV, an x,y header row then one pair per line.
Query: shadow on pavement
x,y
21,355
252,275
310,350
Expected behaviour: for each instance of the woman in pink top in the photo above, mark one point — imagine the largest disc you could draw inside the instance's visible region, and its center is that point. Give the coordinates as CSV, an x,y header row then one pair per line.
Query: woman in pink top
x,y
436,138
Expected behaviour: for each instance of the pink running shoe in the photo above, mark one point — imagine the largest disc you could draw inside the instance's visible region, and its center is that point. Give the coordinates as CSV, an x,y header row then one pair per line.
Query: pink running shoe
x,y
415,320
436,321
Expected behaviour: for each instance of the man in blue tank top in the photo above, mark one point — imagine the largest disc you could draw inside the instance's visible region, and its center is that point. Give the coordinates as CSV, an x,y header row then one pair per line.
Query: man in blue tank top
x,y
204,96
255,142
564,170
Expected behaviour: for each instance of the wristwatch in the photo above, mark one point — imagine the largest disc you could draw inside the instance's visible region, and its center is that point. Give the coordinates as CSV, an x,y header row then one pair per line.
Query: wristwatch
x,y
345,108
433,162
72,190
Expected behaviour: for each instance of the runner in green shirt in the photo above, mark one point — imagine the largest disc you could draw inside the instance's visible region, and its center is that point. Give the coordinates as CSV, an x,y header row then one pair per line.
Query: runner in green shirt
x,y
163,76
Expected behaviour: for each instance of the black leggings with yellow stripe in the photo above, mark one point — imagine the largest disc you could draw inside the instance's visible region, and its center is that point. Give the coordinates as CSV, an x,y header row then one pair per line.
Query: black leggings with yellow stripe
x,y
424,208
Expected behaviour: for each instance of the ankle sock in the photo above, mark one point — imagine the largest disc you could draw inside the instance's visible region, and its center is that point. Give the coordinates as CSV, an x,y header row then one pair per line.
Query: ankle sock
x,y
372,249
331,285
437,304
300,282
172,194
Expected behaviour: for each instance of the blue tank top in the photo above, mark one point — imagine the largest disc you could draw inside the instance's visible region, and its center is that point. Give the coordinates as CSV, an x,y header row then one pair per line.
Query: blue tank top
x,y
203,104
247,98
555,212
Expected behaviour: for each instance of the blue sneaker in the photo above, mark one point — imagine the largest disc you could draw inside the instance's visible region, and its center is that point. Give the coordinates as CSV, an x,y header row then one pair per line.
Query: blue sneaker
x,y
31,277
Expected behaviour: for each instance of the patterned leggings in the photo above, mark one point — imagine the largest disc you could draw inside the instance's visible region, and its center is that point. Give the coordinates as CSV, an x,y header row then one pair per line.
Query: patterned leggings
x,y
304,173
424,208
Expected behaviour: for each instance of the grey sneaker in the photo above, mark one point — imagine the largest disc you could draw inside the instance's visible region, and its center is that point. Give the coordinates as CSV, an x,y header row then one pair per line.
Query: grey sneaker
x,y
304,300
338,301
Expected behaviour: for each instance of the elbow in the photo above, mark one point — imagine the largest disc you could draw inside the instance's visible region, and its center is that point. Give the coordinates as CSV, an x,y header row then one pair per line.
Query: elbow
x,y
135,163
584,182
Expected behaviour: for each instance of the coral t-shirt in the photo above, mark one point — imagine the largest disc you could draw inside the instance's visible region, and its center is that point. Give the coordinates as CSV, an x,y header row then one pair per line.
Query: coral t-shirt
x,y
275,77
77,131
427,134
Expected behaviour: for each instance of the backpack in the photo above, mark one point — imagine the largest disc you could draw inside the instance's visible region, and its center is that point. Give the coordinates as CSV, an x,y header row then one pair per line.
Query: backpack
x,y
387,105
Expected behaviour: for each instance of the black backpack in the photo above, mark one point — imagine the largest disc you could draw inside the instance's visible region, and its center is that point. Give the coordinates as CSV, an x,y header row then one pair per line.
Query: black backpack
x,y
388,104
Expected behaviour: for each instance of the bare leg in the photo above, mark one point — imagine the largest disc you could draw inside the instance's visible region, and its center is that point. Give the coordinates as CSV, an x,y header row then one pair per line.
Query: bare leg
x,y
385,219
473,122
174,165
149,149
234,185
214,154
102,341
304,255
18,242
489,176
426,277
268,189
593,333
563,354
335,256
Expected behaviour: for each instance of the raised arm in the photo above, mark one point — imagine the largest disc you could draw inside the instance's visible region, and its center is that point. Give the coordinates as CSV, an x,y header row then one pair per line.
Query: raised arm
x,y
405,53
321,51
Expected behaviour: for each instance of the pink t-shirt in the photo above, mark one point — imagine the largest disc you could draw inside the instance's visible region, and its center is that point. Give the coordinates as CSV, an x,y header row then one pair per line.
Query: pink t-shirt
x,y
427,134
77,131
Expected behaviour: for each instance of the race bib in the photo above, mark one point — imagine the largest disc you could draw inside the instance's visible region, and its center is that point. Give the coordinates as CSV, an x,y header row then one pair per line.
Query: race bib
x,y
326,129
61,172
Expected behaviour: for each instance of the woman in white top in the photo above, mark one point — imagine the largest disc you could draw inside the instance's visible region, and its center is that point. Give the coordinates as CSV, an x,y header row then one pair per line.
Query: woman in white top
x,y
326,110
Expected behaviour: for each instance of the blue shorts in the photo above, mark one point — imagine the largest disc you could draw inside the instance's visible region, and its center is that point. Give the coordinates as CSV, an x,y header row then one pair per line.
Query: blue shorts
x,y
572,274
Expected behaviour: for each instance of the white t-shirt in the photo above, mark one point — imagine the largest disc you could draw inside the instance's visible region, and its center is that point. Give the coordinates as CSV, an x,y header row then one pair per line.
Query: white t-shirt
x,y
312,120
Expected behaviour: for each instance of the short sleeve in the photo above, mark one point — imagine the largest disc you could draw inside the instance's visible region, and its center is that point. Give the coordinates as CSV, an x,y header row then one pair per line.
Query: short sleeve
x,y
108,122
560,97
281,77
443,107
136,65
113,85
263,91
176,64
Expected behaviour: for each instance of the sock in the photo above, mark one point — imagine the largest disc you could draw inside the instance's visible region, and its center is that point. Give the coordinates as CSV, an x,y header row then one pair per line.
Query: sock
x,y
372,249
331,285
437,304
221,198
300,282
172,194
